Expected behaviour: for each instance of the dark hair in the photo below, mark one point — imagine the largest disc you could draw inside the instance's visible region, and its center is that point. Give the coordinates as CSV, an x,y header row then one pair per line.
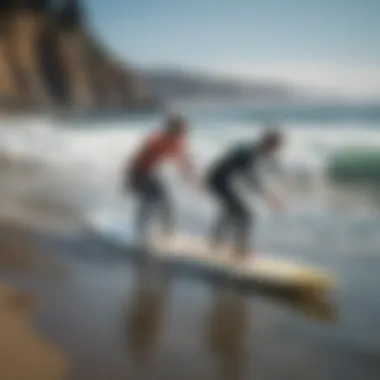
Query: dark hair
x,y
176,124
271,137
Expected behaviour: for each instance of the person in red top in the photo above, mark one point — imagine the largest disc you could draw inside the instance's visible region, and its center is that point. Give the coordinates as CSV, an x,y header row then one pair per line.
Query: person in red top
x,y
170,142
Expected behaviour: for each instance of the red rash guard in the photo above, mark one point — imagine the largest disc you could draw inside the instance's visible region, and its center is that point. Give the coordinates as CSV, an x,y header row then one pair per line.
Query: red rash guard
x,y
155,149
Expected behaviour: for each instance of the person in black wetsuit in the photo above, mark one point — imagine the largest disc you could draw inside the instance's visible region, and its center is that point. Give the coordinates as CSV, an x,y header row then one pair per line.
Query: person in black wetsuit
x,y
240,161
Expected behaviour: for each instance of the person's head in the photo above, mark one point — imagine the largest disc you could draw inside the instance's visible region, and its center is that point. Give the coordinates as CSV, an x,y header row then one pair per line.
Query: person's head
x,y
271,140
176,125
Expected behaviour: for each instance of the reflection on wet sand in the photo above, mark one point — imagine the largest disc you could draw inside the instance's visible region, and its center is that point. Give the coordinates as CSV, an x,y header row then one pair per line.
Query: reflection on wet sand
x,y
145,316
226,332
226,328
100,310
229,325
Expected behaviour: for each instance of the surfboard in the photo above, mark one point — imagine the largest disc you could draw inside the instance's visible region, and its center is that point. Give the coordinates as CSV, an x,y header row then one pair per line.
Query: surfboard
x,y
258,269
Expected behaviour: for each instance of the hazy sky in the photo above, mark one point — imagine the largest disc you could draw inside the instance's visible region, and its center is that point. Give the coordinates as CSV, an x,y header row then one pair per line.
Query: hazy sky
x,y
329,43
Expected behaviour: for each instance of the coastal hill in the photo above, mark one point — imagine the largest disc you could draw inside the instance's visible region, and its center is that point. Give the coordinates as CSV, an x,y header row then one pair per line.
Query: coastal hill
x,y
51,60
173,84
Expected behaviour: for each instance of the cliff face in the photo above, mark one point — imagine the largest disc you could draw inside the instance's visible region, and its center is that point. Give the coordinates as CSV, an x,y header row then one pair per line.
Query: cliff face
x,y
49,60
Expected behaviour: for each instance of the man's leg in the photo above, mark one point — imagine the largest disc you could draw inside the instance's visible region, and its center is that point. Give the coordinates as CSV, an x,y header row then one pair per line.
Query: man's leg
x,y
221,229
148,198
222,225
242,225
243,235
143,215
165,208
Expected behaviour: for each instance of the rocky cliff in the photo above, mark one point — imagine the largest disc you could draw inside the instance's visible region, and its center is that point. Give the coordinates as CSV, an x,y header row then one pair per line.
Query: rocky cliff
x,y
51,60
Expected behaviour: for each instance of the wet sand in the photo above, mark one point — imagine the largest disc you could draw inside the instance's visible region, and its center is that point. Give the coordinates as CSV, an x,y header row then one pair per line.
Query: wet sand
x,y
112,320
24,352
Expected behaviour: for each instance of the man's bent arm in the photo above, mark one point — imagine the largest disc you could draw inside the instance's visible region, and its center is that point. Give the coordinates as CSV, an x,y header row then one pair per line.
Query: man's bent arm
x,y
256,184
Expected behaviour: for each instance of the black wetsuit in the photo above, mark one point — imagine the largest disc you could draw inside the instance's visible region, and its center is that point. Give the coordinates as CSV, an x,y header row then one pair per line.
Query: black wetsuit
x,y
239,162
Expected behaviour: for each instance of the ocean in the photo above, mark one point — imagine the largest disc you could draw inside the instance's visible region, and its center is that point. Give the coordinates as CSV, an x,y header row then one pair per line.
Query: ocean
x,y
66,175
60,169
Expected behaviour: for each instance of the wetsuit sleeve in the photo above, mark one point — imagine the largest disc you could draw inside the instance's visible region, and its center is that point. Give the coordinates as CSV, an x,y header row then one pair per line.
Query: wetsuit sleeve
x,y
247,159
253,180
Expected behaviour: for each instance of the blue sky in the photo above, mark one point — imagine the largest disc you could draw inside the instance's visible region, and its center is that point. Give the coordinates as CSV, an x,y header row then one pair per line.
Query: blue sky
x,y
324,41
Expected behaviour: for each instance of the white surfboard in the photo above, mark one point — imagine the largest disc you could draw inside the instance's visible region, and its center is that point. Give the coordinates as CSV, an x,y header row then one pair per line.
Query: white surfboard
x,y
259,269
